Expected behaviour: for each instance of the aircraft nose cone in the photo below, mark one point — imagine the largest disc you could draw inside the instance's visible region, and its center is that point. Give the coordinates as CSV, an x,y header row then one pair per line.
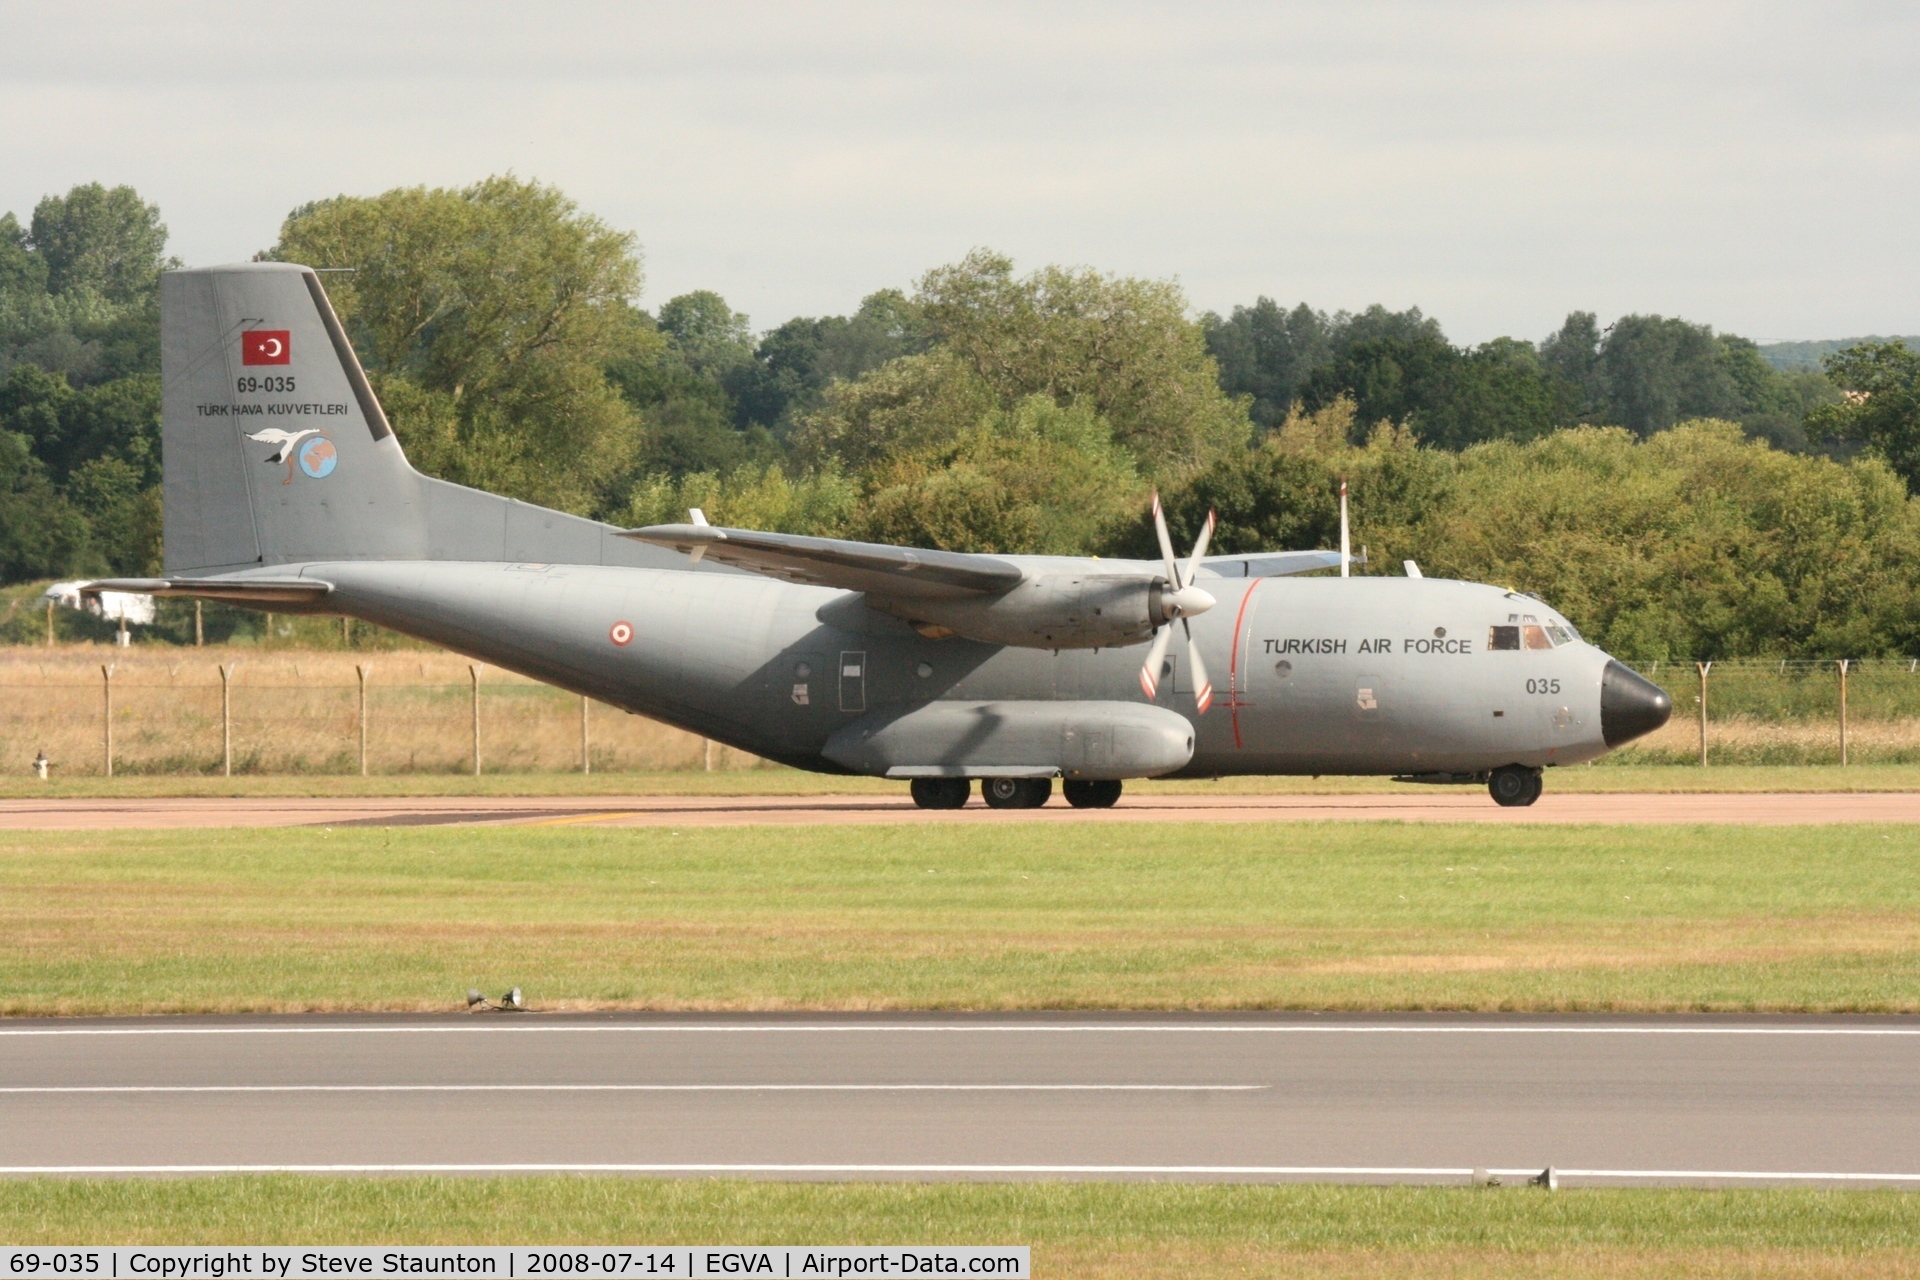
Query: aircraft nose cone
x,y
1631,706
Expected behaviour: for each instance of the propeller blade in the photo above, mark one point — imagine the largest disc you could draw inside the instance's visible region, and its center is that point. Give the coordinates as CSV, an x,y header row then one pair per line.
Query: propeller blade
x,y
1346,557
1202,687
1199,551
1150,670
1166,543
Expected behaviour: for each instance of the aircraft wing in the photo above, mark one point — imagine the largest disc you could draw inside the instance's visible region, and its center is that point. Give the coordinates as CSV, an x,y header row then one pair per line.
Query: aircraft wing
x,y
1272,564
237,590
899,573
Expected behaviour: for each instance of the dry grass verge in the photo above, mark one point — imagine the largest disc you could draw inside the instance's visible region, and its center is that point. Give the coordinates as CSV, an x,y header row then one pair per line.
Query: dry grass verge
x,y
297,712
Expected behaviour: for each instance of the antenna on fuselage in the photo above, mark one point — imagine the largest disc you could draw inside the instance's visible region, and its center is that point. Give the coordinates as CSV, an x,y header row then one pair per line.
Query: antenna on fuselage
x,y
699,519
1346,555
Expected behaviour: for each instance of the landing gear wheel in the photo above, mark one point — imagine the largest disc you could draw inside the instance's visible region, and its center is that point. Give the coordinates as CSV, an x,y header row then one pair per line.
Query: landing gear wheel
x,y
1091,795
941,793
1016,793
1514,786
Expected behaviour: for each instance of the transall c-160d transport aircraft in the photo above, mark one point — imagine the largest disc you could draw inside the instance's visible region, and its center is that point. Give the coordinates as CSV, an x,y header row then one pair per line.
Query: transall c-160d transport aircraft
x,y
286,489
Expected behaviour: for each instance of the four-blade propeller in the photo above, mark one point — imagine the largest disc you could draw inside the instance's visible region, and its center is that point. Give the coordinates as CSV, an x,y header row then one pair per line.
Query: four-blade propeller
x,y
1179,601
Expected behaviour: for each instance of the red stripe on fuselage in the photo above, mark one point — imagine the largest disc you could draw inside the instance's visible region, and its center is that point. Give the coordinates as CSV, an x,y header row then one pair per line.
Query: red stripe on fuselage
x,y
1233,663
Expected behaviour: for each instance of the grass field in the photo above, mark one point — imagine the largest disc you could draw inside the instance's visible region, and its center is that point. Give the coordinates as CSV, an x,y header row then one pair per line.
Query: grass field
x,y
1091,1230
1340,916
774,780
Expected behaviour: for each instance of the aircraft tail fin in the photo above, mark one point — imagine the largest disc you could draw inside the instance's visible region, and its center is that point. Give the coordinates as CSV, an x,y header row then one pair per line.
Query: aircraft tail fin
x,y
276,450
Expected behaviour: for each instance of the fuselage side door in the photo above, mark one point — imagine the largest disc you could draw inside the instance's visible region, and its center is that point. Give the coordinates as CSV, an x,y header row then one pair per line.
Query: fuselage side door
x,y
853,680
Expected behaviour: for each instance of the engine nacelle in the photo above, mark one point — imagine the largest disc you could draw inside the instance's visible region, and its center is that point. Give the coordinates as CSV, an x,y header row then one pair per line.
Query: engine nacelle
x,y
1054,611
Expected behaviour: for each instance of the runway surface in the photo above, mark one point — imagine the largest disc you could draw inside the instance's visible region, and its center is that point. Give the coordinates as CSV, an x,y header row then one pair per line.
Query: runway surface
x,y
1321,1098
1450,805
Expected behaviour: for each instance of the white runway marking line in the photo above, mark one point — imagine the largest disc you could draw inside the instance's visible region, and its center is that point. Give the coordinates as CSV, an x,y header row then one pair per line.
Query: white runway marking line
x,y
634,1088
1166,1170
942,1028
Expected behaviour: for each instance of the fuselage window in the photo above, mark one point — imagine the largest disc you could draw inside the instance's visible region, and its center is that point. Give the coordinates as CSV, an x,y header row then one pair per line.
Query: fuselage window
x,y
1535,637
1504,638
1558,634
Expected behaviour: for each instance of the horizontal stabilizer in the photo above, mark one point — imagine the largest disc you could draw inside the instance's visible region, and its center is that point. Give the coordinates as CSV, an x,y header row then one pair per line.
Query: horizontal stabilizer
x,y
900,573
237,590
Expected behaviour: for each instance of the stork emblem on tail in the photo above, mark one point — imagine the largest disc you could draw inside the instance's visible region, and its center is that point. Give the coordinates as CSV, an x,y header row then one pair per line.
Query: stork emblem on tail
x,y
286,440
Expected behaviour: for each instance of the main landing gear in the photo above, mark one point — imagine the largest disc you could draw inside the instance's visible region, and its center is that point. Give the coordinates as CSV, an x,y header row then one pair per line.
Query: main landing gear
x,y
1014,793
1082,794
941,793
1514,785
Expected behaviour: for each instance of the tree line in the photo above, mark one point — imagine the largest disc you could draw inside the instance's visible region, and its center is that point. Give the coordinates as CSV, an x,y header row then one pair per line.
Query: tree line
x,y
1669,488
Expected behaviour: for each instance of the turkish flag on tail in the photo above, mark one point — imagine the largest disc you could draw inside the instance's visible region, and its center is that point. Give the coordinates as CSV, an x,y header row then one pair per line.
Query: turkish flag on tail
x,y
265,346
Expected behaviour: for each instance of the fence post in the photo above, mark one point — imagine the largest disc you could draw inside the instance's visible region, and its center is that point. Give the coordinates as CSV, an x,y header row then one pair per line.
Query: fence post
x,y
1704,668
1843,710
49,624
106,733
268,639
226,718
706,750
473,670
364,671
199,632
586,762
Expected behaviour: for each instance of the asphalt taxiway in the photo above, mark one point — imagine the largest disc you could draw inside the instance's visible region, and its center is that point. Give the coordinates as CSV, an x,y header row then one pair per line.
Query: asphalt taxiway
x,y
1450,805
1384,1098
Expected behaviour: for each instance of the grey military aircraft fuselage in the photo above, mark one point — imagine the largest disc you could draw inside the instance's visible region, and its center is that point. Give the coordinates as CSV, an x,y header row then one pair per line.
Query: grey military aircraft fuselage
x,y
1365,675
286,489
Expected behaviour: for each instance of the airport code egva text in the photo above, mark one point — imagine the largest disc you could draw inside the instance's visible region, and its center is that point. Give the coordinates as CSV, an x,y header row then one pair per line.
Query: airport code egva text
x,y
511,1262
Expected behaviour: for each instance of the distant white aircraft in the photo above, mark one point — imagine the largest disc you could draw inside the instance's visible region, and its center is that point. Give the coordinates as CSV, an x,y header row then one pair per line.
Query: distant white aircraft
x,y
132,607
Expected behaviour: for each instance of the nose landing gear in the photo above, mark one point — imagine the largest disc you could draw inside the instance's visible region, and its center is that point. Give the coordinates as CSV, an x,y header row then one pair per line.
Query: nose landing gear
x,y
1514,786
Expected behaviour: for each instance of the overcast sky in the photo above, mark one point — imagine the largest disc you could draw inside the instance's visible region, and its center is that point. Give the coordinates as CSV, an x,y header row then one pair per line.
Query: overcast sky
x,y
1753,166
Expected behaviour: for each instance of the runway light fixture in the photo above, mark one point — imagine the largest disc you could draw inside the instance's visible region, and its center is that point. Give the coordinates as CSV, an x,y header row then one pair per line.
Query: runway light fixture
x,y
1547,1178
512,1001
474,997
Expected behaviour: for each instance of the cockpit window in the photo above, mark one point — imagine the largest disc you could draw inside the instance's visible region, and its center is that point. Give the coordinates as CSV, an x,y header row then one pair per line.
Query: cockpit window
x,y
1524,631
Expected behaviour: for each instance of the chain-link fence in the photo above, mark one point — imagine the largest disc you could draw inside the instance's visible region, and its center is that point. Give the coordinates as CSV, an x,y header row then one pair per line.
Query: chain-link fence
x,y
301,712
157,712
1786,712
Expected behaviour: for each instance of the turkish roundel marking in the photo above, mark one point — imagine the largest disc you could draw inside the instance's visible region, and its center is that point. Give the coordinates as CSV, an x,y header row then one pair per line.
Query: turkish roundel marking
x,y
266,346
621,633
